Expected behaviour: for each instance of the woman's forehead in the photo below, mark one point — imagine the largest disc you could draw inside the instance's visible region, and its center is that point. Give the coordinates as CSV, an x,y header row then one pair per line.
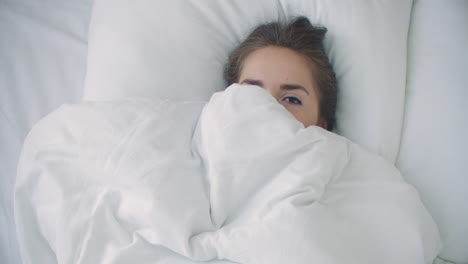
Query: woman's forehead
x,y
279,65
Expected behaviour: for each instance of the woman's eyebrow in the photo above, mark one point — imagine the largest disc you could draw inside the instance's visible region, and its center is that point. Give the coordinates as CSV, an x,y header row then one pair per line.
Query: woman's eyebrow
x,y
282,87
253,82
293,87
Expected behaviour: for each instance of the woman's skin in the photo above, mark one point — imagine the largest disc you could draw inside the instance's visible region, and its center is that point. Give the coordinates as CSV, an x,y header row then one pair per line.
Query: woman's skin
x,y
288,76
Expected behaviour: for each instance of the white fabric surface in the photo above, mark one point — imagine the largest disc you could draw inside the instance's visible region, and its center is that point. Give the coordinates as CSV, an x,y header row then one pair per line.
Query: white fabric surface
x,y
441,261
140,48
238,179
434,148
42,65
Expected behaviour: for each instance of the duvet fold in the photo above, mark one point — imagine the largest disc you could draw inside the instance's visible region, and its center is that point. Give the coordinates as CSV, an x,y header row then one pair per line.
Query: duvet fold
x,y
233,180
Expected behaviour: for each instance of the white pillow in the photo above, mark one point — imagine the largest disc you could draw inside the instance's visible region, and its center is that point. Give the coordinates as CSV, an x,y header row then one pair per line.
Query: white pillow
x,y
434,145
155,49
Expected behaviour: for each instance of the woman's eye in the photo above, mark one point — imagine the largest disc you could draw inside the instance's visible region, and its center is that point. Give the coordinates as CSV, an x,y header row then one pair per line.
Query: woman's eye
x,y
292,100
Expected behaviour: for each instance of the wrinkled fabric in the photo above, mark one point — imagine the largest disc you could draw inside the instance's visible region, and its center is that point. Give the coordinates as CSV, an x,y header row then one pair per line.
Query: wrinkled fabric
x,y
233,180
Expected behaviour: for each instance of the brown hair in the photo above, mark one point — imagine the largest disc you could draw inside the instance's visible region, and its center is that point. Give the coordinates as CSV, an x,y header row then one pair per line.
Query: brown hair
x,y
298,35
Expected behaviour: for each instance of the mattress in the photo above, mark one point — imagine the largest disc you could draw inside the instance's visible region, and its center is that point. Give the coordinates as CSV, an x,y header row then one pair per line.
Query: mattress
x,y
42,65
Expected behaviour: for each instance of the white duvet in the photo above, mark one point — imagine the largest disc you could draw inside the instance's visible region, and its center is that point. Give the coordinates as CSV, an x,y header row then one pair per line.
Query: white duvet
x,y
234,180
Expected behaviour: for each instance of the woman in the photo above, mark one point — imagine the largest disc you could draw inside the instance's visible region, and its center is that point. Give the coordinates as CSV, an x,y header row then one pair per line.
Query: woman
x,y
290,62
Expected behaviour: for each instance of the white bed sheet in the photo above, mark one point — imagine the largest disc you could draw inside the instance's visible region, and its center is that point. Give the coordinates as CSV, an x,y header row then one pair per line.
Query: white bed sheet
x,y
231,181
42,65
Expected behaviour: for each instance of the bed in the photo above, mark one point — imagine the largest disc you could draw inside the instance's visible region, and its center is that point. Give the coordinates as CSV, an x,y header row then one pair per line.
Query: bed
x,y
43,46
419,126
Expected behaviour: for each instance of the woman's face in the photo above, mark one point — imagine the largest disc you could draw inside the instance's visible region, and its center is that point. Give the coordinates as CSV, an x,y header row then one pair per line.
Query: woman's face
x,y
288,76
